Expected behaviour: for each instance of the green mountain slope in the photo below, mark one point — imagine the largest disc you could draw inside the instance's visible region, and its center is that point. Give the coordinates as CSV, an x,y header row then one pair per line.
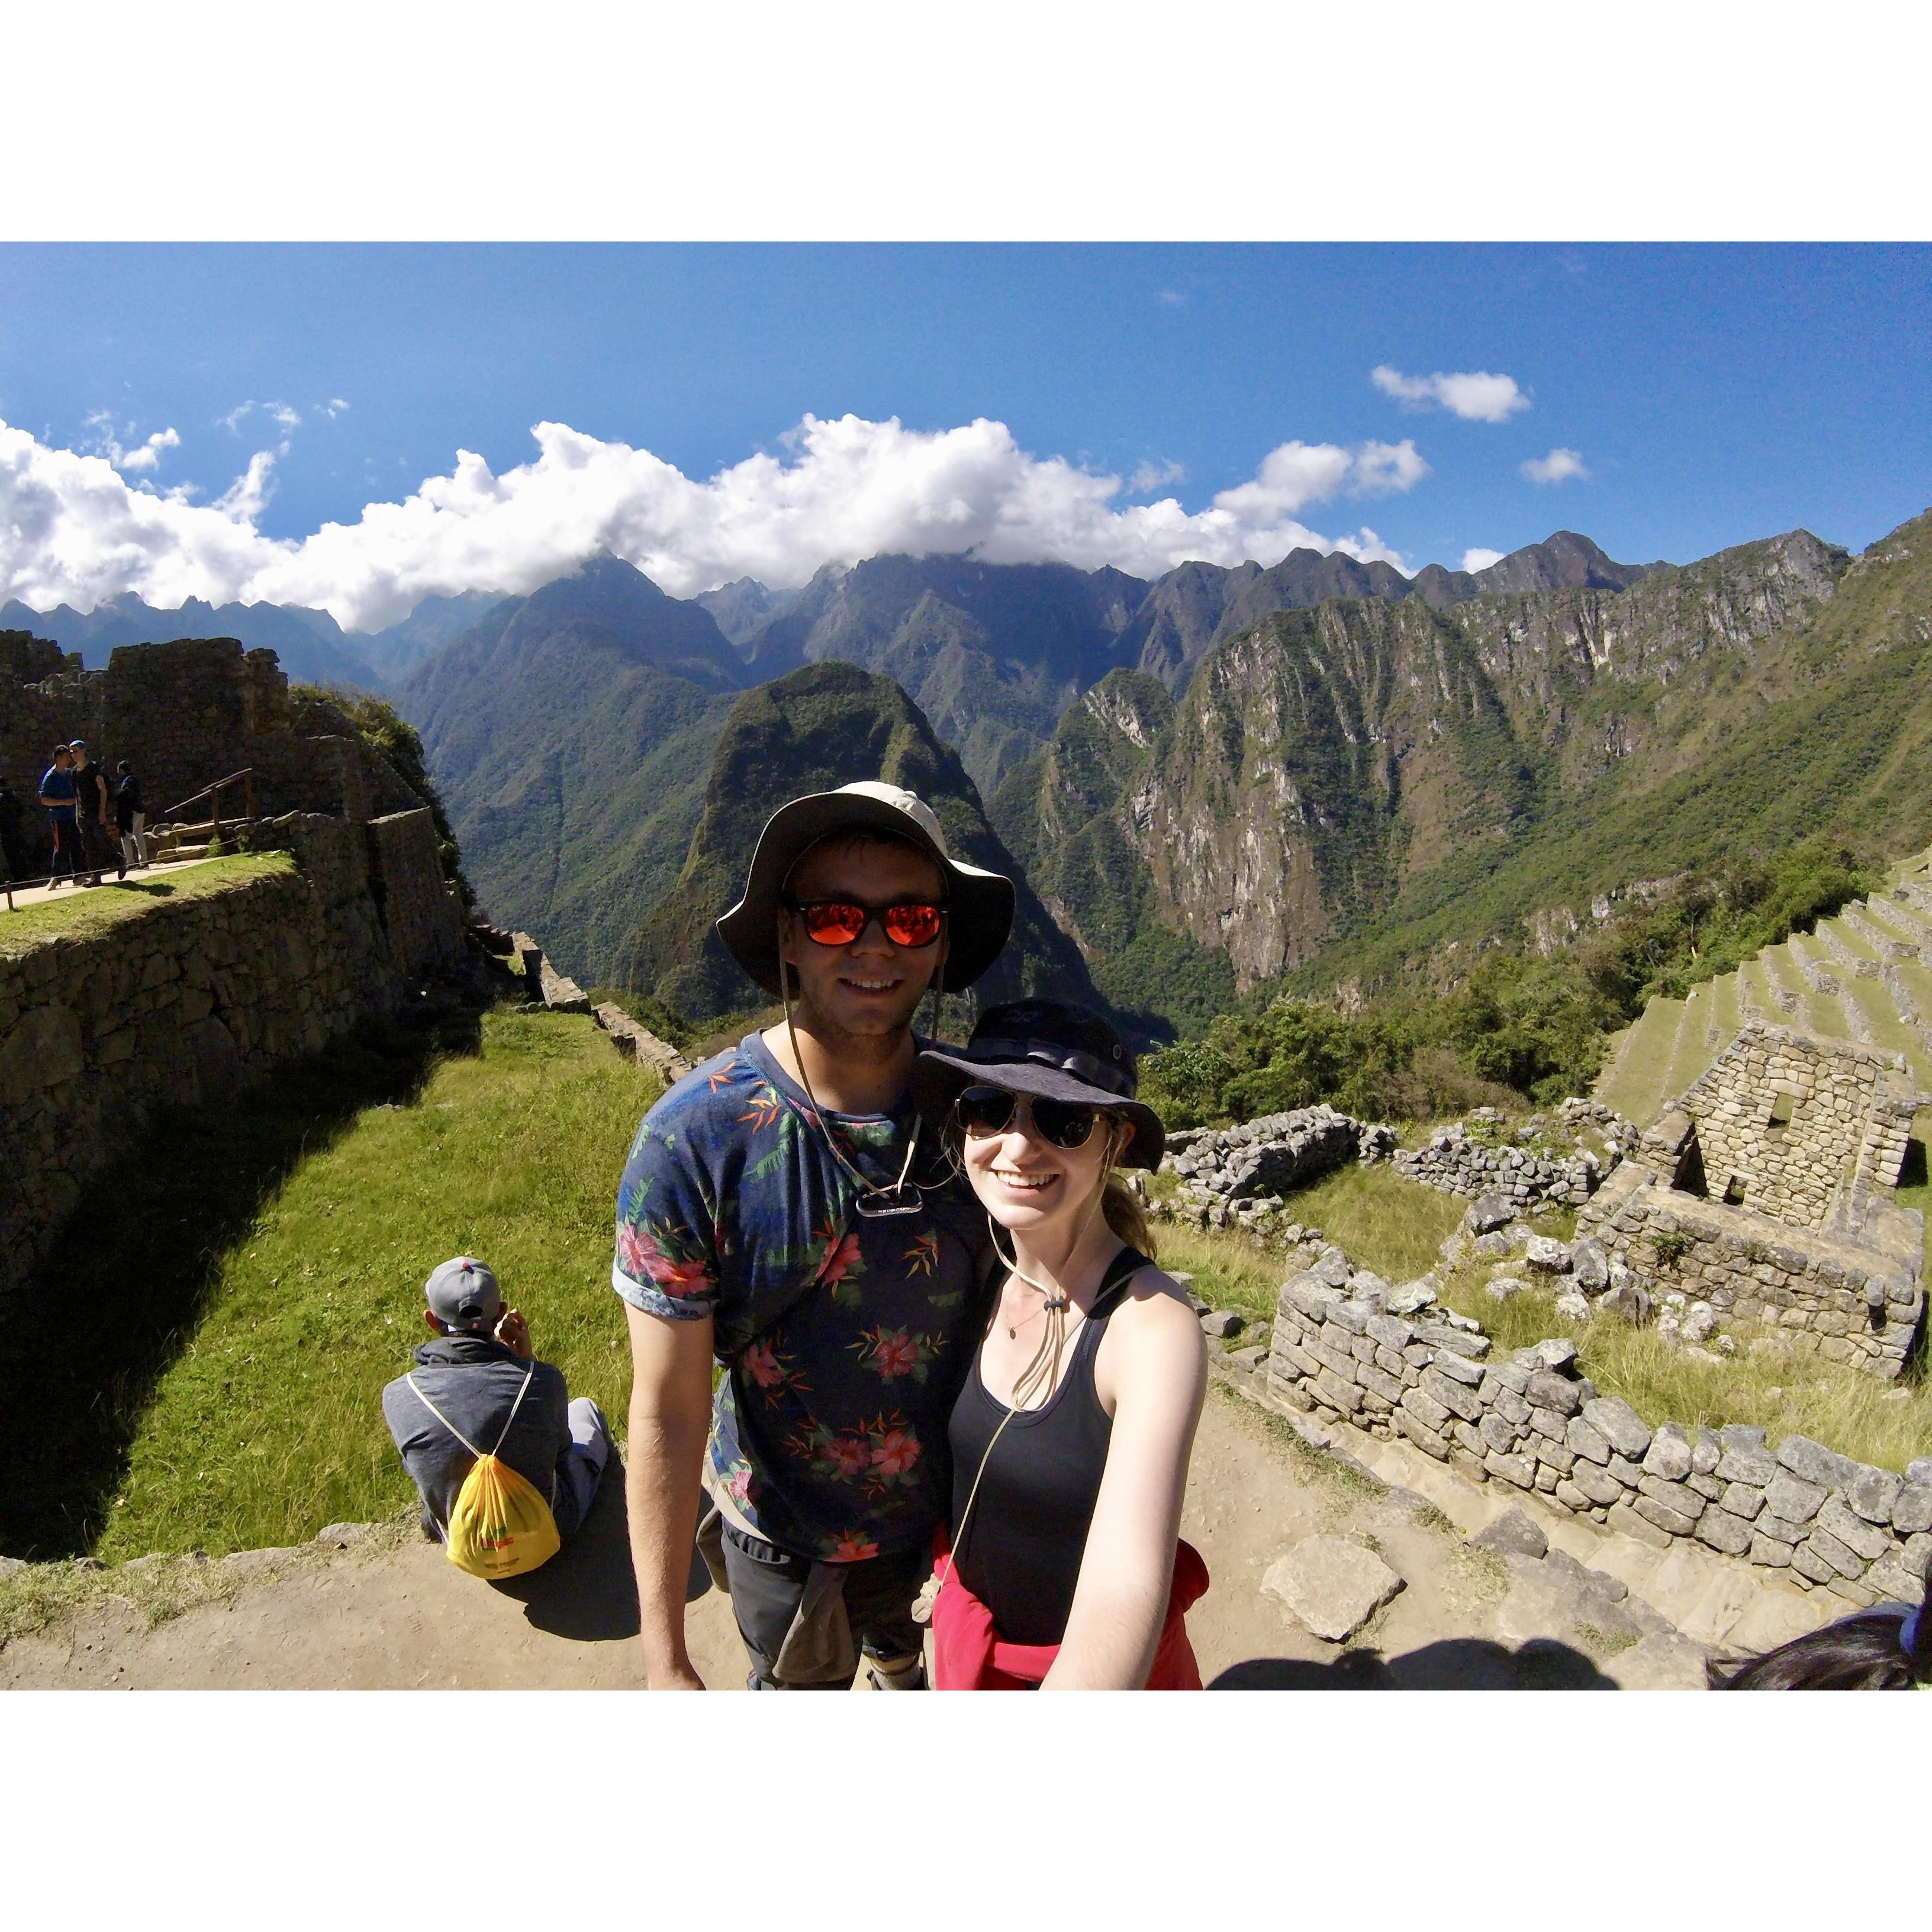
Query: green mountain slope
x,y
1340,793
570,732
825,725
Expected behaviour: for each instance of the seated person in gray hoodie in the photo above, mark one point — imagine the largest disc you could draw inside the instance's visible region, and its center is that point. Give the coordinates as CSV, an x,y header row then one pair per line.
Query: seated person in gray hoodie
x,y
474,1371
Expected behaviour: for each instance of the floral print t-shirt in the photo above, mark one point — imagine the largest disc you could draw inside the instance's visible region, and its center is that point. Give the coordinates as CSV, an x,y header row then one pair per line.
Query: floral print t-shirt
x,y
845,1339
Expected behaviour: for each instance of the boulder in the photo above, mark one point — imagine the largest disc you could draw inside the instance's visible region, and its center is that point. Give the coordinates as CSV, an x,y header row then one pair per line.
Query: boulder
x,y
1501,1287
1513,1532
1222,1324
1550,1256
1489,1211
1332,1586
1590,1267
1574,1306
1628,1301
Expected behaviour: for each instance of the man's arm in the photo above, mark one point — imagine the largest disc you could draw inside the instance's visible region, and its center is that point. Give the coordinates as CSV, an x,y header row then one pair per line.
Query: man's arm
x,y
1159,1369
670,1419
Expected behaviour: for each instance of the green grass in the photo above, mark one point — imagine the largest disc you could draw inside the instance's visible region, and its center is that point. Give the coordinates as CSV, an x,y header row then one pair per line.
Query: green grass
x,y
1635,1085
1380,1221
205,1369
1785,1392
84,912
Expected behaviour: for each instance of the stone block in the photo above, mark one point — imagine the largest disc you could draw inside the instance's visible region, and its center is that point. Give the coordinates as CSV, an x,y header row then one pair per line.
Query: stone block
x,y
1424,1437
1669,1455
1391,1331
1459,1368
1741,1463
1553,1455
1813,1462
1453,1396
1512,1533
1743,1502
1583,1440
1554,1392
1470,1439
1874,1492
1836,1519
1331,1585
1602,1488
1911,1508
1518,1470
1677,1521
1724,1531
1548,1256
1431,1414
1792,1499
1351,1316
1623,1520
1708,1487
1343,1395
1827,1548
1769,1555
1626,1432
1496,1433
1892,1580
1377,1382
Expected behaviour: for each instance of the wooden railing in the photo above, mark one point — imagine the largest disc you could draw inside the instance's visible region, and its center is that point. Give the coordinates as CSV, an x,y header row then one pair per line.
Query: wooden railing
x,y
244,777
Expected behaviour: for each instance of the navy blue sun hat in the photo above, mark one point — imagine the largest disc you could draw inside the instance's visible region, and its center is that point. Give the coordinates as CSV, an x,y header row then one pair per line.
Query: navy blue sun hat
x,y
1048,1050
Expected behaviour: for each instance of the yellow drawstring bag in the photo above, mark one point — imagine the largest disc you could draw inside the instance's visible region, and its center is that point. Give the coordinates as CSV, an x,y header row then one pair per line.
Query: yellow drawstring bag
x,y
500,1526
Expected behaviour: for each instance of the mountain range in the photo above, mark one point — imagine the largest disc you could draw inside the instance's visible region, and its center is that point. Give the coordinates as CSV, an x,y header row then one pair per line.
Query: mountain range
x,y
1219,783
313,648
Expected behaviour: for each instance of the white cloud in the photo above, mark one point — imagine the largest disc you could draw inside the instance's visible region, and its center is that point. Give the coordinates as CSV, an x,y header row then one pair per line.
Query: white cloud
x,y
1149,477
72,529
1473,394
1559,466
142,456
1480,559
333,408
1171,299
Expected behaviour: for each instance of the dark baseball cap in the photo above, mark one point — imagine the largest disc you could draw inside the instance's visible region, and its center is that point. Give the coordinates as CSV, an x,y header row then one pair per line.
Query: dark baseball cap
x,y
463,1293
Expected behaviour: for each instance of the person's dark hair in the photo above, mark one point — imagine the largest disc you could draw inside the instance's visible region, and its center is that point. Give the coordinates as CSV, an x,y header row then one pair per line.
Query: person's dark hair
x,y
1866,1652
122,765
58,752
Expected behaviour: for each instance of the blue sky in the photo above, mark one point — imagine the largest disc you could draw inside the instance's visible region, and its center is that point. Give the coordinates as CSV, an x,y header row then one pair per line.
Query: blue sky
x,y
1706,396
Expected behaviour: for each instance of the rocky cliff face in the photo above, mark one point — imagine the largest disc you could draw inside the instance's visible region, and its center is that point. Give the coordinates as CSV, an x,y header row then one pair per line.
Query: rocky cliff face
x,y
1322,761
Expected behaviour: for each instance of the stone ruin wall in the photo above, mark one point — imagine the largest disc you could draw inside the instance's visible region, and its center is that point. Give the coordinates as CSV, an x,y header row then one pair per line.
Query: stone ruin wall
x,y
183,714
1531,1422
193,998
1849,1121
1860,1305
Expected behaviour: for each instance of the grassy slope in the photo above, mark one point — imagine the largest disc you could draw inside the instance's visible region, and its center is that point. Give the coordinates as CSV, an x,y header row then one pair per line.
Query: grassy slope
x,y
256,1419
85,912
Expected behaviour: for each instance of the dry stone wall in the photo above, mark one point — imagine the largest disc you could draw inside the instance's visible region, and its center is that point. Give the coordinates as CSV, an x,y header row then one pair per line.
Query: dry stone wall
x,y
1533,1422
184,714
196,997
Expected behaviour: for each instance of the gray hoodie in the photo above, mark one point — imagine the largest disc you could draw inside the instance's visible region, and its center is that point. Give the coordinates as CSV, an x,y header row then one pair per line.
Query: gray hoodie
x,y
473,1379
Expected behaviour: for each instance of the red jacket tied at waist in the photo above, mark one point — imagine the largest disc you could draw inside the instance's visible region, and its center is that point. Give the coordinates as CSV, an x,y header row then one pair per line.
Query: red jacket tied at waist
x,y
968,1654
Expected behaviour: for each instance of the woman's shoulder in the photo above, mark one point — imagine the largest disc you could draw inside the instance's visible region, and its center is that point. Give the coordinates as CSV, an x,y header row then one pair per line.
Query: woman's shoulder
x,y
1155,1304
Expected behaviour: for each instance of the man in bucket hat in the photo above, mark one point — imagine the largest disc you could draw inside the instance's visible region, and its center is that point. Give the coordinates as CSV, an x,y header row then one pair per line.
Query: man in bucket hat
x,y
782,1211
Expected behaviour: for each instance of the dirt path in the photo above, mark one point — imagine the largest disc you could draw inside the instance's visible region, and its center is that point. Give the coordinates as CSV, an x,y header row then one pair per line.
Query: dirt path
x,y
399,1616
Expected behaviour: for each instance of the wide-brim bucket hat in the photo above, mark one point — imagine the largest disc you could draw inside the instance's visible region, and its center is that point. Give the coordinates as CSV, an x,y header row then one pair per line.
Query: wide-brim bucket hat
x,y
1048,1050
978,904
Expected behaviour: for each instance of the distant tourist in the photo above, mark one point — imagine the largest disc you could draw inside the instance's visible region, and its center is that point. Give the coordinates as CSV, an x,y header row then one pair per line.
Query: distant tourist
x,y
1888,1648
91,804
57,794
130,819
783,1211
13,835
1071,1438
477,1388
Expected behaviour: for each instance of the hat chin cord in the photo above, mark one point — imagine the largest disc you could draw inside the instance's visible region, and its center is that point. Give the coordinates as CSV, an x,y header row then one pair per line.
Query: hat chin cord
x,y
1040,1375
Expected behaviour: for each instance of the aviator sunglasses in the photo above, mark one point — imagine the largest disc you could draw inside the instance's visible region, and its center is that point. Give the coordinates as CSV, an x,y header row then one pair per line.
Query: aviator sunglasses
x,y
912,923
1065,1124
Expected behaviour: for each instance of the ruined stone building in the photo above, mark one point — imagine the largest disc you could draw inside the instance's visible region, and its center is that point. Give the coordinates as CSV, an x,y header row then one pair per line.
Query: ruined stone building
x,y
184,714
1769,1189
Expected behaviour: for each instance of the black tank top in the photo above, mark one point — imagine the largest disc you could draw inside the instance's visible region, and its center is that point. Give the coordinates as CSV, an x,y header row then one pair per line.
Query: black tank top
x,y
1021,1552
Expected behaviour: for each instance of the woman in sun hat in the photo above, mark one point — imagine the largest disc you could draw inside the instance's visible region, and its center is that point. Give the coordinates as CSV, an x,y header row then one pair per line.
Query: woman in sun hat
x,y
1063,1568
